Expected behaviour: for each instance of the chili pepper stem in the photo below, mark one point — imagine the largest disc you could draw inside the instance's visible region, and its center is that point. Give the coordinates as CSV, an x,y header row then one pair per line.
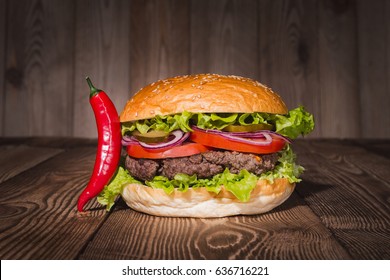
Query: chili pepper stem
x,y
93,90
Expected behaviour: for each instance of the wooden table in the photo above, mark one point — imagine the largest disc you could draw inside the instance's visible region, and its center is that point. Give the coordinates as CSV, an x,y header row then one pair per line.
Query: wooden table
x,y
339,211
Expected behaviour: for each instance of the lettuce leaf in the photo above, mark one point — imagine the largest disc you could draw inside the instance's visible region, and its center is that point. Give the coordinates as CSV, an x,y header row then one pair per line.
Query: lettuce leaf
x,y
241,184
285,168
296,122
213,120
164,123
114,188
221,120
182,182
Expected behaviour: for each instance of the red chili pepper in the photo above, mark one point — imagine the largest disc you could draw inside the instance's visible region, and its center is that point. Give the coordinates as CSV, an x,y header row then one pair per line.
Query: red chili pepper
x,y
109,144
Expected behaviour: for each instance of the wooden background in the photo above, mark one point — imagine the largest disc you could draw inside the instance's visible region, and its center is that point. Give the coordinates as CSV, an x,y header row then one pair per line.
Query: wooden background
x,y
332,56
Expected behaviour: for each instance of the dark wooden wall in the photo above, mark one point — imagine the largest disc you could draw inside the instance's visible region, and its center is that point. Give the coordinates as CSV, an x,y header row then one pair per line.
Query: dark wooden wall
x,y
333,56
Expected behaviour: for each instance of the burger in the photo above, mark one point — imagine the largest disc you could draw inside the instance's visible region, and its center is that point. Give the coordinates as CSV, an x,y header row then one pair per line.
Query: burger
x,y
207,146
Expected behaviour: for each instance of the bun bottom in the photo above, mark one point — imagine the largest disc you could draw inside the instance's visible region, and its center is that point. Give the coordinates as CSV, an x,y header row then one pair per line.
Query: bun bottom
x,y
200,203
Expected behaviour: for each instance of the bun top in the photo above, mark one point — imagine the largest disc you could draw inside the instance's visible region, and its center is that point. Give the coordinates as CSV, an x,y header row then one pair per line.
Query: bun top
x,y
203,93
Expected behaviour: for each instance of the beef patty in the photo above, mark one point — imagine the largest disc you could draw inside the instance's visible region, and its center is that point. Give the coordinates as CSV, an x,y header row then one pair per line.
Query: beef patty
x,y
204,165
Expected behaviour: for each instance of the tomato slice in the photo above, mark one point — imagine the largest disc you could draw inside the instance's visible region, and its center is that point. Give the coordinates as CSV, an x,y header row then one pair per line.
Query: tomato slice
x,y
218,141
187,149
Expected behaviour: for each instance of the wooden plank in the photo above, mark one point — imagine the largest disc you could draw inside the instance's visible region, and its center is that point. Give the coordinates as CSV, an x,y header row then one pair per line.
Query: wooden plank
x,y
50,142
160,41
348,188
338,70
2,62
378,146
102,53
16,159
374,67
14,64
224,37
288,54
39,65
38,215
291,231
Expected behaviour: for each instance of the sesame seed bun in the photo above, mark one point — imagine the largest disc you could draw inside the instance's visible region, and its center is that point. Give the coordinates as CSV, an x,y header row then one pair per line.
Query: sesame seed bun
x,y
204,93
199,203
201,94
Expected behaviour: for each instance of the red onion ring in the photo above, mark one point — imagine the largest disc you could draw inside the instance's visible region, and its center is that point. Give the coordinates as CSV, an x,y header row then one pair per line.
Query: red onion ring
x,y
246,137
288,140
265,141
128,140
178,138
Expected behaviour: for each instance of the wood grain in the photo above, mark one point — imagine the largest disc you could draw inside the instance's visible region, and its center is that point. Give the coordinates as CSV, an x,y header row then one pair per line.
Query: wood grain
x,y
339,211
102,53
338,69
288,53
374,66
291,231
16,159
224,37
39,64
160,39
332,56
379,147
348,188
39,219
3,20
